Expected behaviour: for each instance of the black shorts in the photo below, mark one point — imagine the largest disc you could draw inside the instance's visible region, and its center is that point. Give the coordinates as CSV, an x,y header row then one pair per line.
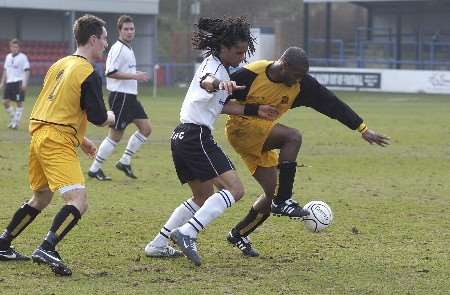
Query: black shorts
x,y
13,91
196,155
126,108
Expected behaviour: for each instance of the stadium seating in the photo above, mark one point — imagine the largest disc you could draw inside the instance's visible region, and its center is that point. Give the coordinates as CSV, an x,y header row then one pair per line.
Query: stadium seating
x,y
40,53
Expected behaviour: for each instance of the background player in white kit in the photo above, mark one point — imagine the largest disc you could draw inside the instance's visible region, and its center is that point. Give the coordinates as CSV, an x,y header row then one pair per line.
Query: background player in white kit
x,y
16,73
198,160
122,79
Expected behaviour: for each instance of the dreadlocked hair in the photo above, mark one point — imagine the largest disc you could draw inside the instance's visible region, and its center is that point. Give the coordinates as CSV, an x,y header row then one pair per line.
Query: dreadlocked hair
x,y
214,32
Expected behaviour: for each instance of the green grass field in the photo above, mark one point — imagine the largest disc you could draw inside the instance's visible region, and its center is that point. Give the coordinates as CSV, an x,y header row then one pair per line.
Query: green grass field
x,y
391,230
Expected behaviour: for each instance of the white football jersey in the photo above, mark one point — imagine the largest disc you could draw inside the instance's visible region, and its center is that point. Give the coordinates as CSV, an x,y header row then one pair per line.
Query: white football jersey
x,y
200,106
15,67
121,59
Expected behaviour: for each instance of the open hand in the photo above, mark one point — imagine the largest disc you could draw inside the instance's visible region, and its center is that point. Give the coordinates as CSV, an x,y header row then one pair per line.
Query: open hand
x,y
88,147
372,137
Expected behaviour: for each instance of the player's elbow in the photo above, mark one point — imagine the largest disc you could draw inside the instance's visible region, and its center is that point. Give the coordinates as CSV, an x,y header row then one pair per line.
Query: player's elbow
x,y
99,120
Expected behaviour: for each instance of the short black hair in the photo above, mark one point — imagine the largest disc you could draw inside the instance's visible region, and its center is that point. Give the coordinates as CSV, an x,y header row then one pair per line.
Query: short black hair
x,y
296,57
86,26
227,31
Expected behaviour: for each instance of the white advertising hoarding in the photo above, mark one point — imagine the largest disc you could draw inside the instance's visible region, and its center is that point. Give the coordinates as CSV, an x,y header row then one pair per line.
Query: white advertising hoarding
x,y
406,81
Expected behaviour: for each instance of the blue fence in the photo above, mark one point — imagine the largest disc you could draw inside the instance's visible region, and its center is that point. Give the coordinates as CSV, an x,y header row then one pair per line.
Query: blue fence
x,y
378,48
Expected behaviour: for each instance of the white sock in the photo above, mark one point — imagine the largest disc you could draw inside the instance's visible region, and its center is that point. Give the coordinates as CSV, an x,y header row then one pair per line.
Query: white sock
x,y
17,115
11,112
211,209
180,216
104,151
134,143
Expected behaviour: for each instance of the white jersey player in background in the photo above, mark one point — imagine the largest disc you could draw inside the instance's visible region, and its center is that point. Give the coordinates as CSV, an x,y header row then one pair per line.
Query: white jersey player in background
x,y
16,73
198,160
122,82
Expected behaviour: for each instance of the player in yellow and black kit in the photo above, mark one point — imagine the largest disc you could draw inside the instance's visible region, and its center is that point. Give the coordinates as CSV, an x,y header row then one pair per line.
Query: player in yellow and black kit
x,y
283,84
71,96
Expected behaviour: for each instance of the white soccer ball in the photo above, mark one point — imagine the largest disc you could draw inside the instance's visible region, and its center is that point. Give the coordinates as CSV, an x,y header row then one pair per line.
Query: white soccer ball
x,y
320,216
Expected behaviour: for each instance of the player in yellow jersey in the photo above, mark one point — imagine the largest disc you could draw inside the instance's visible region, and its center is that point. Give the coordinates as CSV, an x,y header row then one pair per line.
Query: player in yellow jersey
x,y
71,95
284,84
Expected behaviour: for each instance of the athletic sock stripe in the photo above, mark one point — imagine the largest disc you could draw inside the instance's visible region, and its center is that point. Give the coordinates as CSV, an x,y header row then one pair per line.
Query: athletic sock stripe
x,y
111,142
140,137
227,195
166,229
189,208
225,198
193,226
99,160
187,203
226,202
164,235
199,223
129,151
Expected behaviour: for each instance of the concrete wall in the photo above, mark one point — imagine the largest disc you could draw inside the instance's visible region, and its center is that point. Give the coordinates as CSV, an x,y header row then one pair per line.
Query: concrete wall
x,y
34,25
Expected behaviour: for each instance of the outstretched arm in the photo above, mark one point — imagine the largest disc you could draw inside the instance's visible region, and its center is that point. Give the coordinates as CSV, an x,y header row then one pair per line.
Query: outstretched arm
x,y
315,95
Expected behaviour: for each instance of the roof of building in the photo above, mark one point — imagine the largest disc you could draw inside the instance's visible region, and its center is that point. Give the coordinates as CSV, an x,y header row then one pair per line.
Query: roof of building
x,y
102,6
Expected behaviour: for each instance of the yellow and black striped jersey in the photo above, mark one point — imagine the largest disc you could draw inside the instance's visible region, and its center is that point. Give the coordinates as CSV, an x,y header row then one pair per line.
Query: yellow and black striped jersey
x,y
71,95
309,92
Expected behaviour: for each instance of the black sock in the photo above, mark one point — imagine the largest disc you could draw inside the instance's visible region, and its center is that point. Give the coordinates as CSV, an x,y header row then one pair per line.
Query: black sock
x,y
250,222
286,178
63,222
20,220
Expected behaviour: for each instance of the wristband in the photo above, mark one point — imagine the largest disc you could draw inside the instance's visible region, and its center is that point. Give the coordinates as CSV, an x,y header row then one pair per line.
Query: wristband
x,y
251,109
362,128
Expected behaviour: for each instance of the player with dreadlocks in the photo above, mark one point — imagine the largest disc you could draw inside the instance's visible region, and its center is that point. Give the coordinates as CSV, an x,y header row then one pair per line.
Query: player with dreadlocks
x,y
198,160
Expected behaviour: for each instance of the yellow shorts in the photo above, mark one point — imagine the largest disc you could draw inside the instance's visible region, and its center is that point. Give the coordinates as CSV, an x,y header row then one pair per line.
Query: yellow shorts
x,y
53,161
247,137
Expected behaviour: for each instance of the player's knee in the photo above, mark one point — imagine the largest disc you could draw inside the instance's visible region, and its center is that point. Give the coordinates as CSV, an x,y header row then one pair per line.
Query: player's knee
x,y
39,204
41,199
77,198
294,136
81,204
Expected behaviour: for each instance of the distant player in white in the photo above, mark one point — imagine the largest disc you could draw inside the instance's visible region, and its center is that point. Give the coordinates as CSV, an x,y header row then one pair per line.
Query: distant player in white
x,y
16,73
198,160
121,80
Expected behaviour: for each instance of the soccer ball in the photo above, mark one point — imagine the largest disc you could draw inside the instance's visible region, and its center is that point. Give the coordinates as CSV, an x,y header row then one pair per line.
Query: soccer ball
x,y
320,216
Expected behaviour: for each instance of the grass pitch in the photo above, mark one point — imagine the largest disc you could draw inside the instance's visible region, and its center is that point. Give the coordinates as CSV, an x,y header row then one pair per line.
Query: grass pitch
x,y
390,235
